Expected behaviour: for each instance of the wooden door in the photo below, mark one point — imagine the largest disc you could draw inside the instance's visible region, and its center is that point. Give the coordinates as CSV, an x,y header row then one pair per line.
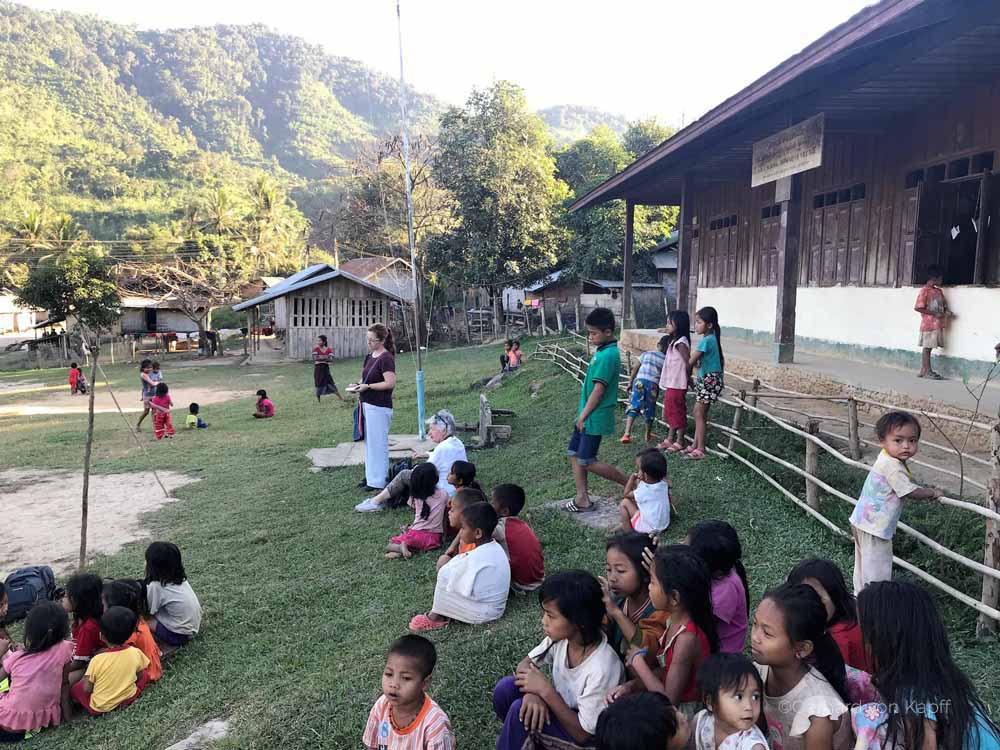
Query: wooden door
x,y
814,272
843,233
856,244
829,269
731,264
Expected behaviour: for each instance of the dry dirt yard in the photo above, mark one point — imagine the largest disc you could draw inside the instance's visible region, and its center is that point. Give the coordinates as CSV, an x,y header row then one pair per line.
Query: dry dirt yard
x,y
41,512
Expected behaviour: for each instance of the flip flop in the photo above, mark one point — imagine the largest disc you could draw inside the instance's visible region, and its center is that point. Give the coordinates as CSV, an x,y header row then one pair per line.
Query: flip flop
x,y
422,623
572,507
694,455
934,376
625,439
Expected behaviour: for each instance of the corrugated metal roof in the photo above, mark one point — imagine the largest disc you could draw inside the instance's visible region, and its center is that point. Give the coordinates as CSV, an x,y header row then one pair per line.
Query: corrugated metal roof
x,y
890,59
307,281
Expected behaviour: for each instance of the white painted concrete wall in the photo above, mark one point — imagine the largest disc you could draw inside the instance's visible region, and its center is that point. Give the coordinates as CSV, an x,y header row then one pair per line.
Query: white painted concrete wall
x,y
866,316
741,307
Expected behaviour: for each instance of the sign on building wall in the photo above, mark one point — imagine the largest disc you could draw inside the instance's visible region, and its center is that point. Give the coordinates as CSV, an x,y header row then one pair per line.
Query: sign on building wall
x,y
789,152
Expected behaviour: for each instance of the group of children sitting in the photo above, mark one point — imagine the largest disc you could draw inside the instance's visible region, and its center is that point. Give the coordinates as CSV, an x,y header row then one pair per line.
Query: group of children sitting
x,y
97,646
652,656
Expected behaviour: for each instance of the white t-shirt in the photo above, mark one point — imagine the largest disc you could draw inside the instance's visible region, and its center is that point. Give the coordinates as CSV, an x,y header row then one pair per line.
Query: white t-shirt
x,y
585,686
174,606
789,716
473,587
654,506
443,455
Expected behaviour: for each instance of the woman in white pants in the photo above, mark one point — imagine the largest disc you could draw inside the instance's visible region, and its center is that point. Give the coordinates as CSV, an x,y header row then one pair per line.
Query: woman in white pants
x,y
378,379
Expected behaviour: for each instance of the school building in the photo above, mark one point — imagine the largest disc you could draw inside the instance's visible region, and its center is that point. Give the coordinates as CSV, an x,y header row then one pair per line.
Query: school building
x,y
813,201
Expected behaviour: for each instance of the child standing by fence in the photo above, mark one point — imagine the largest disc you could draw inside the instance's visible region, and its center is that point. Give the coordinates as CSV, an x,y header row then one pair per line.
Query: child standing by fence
x,y
710,362
878,508
161,403
674,380
644,388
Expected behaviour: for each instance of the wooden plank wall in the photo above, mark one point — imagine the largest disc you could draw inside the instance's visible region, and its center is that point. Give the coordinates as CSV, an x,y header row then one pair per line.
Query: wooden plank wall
x,y
339,309
867,242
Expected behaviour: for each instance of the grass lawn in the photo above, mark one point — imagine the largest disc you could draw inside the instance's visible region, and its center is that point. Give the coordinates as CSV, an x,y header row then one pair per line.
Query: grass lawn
x,y
299,603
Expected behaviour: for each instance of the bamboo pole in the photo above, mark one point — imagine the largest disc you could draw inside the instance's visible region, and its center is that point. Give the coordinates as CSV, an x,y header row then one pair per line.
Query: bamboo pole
x,y
559,323
908,530
579,319
737,416
812,468
754,391
853,437
983,609
991,552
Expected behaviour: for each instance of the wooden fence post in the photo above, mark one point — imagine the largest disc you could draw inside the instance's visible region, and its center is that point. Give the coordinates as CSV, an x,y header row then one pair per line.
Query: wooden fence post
x,y
579,320
812,467
559,325
527,320
986,625
853,436
754,392
737,417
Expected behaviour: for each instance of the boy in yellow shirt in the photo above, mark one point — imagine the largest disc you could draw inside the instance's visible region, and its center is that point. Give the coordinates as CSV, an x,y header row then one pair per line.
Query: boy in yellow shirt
x,y
115,678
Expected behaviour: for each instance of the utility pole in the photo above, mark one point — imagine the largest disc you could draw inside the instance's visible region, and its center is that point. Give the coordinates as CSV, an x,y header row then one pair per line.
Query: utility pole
x,y
417,296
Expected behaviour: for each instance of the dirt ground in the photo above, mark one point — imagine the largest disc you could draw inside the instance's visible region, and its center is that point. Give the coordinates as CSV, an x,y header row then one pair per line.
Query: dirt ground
x,y
118,503
59,401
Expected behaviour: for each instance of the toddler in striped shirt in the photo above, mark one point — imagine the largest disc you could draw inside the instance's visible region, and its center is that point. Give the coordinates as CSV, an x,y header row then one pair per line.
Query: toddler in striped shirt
x,y
404,717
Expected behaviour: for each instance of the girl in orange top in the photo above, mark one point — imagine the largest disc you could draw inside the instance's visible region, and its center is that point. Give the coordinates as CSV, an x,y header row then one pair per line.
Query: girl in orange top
x,y
131,594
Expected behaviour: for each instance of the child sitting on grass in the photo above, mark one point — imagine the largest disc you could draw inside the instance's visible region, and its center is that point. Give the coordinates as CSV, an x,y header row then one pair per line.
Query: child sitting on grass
x,y
35,672
83,600
733,691
881,502
584,668
160,404
131,594
644,389
718,545
527,563
171,601
472,587
77,381
630,616
465,497
264,409
194,421
461,475
3,612
428,503
404,716
116,677
642,722
646,504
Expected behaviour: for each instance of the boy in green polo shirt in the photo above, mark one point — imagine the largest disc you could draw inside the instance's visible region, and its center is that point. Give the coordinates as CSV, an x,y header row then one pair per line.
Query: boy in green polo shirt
x,y
596,415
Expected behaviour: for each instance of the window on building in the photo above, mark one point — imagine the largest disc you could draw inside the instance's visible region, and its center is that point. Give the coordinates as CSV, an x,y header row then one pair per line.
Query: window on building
x,y
719,248
837,234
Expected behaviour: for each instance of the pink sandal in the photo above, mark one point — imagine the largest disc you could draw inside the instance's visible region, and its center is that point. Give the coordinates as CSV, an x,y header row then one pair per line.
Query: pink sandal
x,y
423,623
694,455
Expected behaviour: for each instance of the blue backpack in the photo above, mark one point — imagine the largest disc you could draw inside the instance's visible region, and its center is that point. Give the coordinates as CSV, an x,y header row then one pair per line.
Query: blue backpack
x,y
26,587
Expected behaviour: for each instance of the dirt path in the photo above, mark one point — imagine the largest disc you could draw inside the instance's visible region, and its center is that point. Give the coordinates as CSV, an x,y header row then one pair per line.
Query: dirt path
x,y
61,402
41,511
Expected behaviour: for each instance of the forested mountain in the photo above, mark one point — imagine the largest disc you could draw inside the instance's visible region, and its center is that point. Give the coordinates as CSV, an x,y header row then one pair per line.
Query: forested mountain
x,y
568,123
118,127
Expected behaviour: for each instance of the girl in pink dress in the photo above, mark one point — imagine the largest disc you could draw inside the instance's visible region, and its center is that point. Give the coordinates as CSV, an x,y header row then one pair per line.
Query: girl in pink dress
x,y
36,671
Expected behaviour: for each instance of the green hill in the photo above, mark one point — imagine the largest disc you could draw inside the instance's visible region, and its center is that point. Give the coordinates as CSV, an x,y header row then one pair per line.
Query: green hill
x,y
569,122
120,127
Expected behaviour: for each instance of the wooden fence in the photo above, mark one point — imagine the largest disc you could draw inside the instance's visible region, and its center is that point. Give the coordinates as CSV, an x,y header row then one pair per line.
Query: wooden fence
x,y
747,402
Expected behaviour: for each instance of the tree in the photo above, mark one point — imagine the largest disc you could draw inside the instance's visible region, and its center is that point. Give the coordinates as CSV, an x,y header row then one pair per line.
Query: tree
x,y
642,136
597,234
80,284
494,159
372,213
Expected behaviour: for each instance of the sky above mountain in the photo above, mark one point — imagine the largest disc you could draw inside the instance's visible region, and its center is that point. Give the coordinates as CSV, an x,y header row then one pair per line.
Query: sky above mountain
x,y
673,60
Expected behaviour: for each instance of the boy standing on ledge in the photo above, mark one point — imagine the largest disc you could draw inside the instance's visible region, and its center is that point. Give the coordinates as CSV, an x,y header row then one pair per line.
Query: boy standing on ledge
x,y
934,315
596,415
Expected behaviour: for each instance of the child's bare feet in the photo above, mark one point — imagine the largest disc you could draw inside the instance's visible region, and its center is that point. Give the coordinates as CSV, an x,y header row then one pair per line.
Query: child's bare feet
x,y
405,551
393,555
